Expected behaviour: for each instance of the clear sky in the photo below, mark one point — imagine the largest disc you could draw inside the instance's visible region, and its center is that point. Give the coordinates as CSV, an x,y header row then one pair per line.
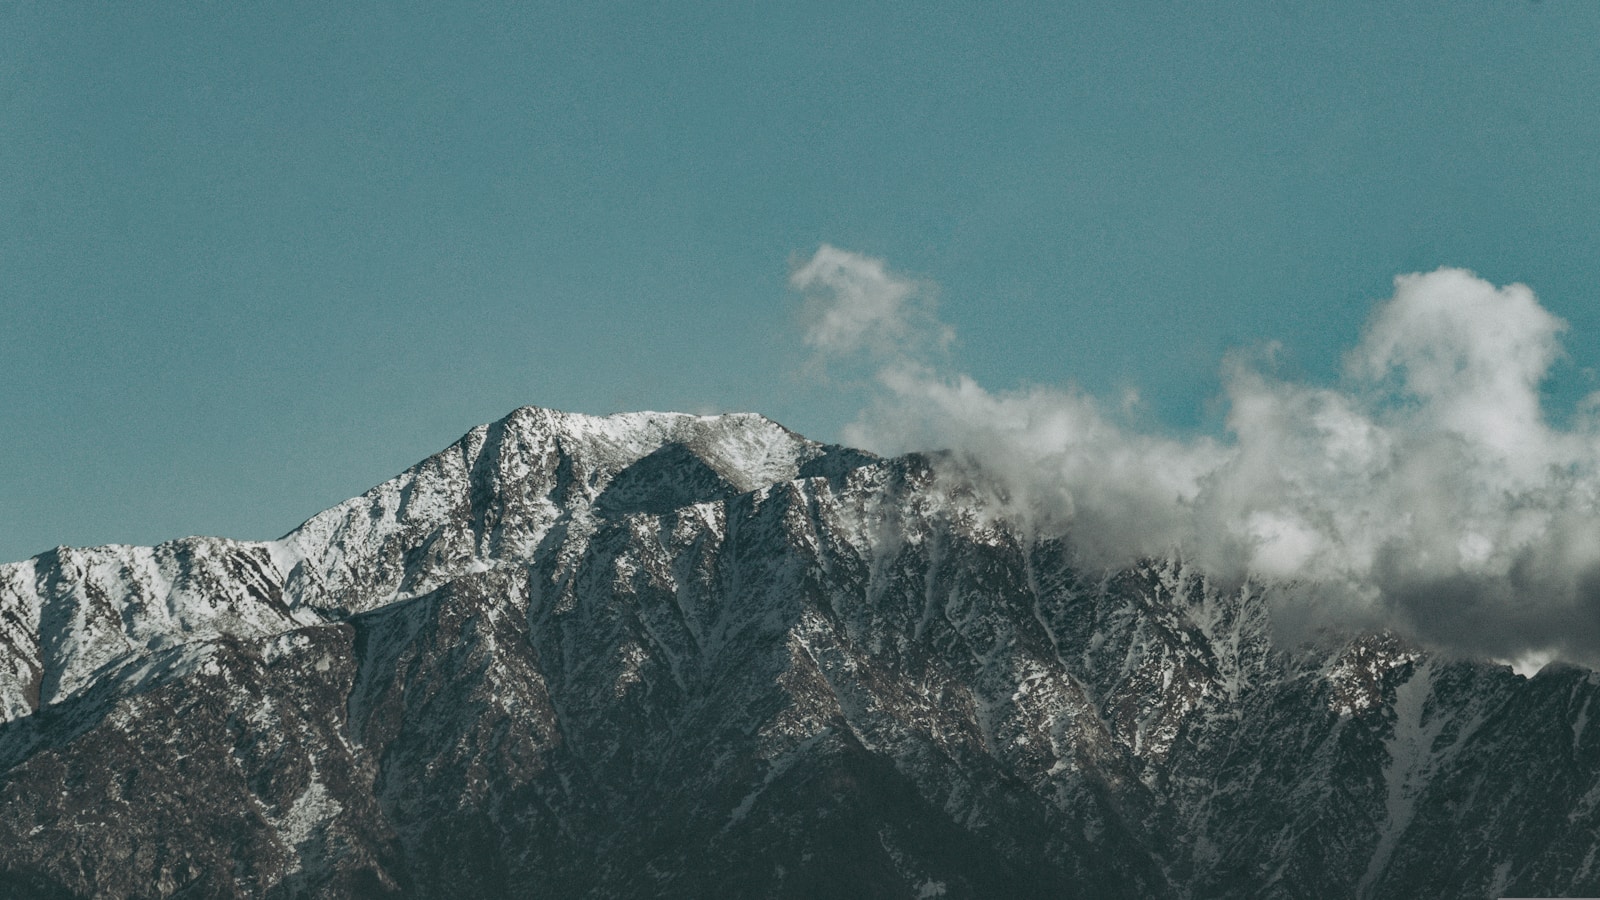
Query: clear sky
x,y
255,258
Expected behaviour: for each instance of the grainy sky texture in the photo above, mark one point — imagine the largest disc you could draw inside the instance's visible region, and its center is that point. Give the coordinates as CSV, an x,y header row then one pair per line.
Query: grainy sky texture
x,y
256,258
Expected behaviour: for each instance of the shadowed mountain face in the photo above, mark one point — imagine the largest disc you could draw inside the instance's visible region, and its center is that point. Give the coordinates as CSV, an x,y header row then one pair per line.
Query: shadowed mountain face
x,y
661,655
663,481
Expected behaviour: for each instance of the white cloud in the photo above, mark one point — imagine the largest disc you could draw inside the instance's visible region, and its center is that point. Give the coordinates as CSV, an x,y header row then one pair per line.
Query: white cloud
x,y
857,304
1472,354
1428,492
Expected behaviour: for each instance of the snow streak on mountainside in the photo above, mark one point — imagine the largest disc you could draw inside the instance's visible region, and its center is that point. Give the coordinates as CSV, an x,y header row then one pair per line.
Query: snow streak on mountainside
x,y
667,655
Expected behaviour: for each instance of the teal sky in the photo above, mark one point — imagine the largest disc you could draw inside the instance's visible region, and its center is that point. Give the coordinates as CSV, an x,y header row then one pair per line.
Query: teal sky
x,y
257,258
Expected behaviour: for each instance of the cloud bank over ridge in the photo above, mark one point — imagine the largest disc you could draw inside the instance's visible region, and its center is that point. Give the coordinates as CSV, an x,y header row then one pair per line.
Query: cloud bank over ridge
x,y
1426,492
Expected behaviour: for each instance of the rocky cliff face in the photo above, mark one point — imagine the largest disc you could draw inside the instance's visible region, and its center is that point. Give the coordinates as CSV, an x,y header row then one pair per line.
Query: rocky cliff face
x,y
665,655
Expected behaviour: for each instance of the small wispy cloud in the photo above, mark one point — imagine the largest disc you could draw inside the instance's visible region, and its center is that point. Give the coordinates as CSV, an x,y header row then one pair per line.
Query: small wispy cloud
x,y
1427,491
854,304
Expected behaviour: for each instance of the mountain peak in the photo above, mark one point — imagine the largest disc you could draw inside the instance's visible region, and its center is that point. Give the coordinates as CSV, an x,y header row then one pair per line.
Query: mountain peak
x,y
748,449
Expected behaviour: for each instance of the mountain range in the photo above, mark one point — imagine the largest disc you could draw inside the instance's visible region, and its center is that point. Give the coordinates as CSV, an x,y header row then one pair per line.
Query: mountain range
x,y
667,655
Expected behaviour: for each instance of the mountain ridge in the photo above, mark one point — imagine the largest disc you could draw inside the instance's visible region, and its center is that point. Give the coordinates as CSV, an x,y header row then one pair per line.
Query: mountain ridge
x,y
665,654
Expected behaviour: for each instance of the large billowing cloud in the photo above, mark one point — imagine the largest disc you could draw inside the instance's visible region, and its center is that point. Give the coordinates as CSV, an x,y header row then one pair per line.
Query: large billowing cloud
x,y
1426,492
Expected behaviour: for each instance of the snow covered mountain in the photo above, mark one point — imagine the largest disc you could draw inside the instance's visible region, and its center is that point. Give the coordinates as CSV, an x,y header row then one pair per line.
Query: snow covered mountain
x,y
667,655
